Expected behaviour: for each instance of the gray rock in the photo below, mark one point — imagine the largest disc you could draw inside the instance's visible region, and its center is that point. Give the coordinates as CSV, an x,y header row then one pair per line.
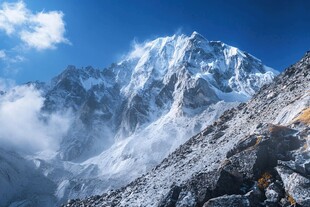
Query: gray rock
x,y
228,200
274,192
307,167
171,198
296,185
186,199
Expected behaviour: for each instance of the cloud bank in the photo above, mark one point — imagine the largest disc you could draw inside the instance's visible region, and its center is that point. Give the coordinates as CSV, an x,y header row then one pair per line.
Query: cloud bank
x,y
24,128
43,30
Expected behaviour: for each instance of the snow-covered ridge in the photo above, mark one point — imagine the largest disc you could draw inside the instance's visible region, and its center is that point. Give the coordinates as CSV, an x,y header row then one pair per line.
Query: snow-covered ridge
x,y
137,111
165,56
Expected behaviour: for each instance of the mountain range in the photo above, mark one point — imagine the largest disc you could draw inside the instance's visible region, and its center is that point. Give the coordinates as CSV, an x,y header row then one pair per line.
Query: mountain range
x,y
126,119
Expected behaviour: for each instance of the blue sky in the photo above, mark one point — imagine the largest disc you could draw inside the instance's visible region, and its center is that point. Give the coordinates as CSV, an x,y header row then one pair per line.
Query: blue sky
x,y
43,37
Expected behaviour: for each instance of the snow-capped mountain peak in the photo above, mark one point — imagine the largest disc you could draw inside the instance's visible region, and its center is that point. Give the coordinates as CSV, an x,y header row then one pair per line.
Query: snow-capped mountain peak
x,y
160,81
136,112
225,67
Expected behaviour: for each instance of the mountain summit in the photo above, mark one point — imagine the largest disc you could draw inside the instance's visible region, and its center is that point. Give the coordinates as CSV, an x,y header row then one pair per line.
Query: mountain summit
x,y
178,75
127,118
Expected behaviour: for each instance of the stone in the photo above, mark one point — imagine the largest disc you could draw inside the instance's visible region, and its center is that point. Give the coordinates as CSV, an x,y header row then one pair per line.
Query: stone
x,y
228,200
171,198
274,192
295,185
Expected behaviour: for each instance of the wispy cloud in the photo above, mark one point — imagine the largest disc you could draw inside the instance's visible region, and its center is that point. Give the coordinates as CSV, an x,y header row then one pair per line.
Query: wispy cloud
x,y
12,15
24,127
6,84
43,30
9,60
137,51
2,54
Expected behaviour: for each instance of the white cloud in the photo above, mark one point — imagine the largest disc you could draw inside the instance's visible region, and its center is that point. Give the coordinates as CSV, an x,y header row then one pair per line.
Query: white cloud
x,y
47,29
12,15
43,30
24,127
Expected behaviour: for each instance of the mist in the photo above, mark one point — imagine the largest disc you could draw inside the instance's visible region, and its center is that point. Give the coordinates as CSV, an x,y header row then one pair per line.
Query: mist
x,y
24,128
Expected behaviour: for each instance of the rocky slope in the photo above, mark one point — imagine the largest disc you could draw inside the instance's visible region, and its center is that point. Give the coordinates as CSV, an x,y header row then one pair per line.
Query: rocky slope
x,y
256,154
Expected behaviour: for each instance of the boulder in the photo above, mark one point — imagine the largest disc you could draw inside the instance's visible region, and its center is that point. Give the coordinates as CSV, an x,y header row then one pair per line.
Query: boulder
x,y
296,185
274,192
228,200
171,198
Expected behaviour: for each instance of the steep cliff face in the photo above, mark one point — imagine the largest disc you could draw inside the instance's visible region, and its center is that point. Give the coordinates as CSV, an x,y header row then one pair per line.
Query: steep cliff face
x,y
256,154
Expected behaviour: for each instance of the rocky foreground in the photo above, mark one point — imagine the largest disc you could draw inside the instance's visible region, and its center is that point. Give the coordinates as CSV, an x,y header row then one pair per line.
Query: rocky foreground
x,y
255,155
